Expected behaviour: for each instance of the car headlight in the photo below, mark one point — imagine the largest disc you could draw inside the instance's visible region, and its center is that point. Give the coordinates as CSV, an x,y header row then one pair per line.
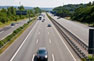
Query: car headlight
x,y
46,56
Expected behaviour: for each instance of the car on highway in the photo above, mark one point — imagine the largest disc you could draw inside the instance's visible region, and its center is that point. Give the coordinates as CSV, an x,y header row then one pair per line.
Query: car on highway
x,y
49,25
43,20
12,24
42,54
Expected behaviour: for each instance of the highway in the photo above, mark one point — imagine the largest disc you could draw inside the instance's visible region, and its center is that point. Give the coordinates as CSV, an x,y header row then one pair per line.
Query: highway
x,y
79,30
9,29
41,36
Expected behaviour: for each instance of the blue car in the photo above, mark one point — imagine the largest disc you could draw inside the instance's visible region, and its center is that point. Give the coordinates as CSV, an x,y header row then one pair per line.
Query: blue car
x,y
42,54
49,25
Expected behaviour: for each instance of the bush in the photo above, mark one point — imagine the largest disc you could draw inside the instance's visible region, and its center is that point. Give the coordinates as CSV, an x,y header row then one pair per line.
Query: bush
x,y
3,19
24,25
1,43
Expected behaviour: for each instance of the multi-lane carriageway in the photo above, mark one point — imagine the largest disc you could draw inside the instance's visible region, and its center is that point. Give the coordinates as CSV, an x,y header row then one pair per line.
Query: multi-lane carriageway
x,y
36,36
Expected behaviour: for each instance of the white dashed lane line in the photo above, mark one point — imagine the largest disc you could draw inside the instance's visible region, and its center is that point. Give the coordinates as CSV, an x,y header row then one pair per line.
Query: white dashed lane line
x,y
48,33
50,41
37,41
33,57
53,57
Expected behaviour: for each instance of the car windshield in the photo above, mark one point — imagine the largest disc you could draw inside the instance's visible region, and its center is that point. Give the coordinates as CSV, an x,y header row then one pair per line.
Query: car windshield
x,y
41,52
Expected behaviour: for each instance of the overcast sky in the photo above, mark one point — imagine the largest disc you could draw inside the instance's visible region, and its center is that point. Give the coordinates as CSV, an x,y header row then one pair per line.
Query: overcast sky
x,y
41,3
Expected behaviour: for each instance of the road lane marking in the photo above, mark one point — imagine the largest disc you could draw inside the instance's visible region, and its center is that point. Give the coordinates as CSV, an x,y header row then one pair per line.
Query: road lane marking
x,y
64,44
48,33
22,44
37,41
50,41
53,57
33,57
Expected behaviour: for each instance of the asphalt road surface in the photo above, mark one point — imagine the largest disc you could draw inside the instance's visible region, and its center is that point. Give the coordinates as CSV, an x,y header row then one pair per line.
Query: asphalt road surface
x,y
43,36
40,36
9,29
78,29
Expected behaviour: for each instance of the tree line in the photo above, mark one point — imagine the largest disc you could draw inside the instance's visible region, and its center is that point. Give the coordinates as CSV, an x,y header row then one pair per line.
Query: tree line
x,y
77,12
9,14
84,14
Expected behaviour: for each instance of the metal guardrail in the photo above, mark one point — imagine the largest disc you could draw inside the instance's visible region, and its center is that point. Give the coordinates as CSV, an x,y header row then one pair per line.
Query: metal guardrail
x,y
70,42
74,37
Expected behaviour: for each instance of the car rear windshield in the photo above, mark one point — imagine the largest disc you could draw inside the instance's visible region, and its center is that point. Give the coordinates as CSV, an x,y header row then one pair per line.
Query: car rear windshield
x,y
41,52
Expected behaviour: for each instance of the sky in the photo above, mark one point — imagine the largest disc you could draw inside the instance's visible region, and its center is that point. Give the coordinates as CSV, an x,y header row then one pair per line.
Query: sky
x,y
41,3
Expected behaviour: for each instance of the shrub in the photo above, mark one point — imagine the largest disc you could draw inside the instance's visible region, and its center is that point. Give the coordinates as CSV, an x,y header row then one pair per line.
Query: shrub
x,y
1,43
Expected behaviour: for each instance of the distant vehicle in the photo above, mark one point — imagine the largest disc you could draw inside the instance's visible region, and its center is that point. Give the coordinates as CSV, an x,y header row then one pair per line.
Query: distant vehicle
x,y
12,24
40,18
43,20
42,54
49,25
58,18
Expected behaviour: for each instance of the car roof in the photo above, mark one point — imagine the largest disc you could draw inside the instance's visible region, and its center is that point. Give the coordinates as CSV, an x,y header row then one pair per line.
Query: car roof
x,y
42,48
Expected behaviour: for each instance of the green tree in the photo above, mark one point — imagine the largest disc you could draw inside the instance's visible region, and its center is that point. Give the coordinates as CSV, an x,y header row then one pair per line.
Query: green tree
x,y
21,8
61,11
37,10
3,10
11,11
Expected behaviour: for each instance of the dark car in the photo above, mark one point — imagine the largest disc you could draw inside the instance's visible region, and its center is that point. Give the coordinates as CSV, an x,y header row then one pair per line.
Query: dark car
x,y
12,24
49,25
42,54
43,20
40,18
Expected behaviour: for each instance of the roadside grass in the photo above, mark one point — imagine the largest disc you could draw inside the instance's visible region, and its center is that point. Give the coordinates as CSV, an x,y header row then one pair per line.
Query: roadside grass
x,y
15,37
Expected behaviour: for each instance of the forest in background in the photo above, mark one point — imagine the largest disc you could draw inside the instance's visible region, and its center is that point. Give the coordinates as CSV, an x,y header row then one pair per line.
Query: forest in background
x,y
78,12
9,14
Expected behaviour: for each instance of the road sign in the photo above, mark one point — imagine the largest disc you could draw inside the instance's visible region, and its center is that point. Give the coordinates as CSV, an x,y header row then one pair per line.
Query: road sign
x,y
21,12
91,41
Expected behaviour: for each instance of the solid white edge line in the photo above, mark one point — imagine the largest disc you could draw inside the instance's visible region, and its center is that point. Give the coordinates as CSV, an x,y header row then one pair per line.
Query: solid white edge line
x,y
21,45
33,57
53,57
64,44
